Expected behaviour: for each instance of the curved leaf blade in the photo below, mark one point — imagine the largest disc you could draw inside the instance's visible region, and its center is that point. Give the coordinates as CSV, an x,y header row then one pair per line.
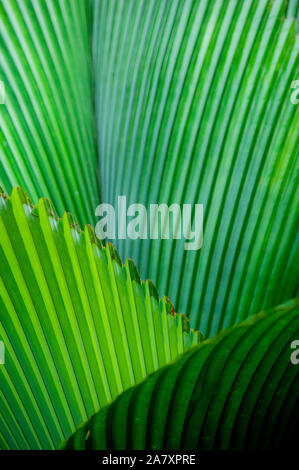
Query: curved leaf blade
x,y
236,391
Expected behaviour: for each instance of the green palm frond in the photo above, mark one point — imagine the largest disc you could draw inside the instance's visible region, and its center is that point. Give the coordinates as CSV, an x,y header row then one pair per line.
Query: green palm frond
x,y
78,326
47,138
237,391
293,11
193,106
163,102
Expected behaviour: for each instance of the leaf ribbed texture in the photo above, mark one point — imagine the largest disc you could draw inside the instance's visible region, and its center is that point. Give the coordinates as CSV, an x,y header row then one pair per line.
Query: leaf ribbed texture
x,y
292,11
193,106
47,139
78,326
236,391
192,102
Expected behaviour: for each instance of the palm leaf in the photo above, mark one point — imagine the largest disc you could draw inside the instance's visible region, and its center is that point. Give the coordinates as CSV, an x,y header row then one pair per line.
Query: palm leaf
x,y
78,326
193,106
47,138
293,11
238,391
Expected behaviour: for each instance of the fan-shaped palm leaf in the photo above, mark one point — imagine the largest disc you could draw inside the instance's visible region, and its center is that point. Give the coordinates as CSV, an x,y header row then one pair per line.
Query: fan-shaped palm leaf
x,y
238,390
78,326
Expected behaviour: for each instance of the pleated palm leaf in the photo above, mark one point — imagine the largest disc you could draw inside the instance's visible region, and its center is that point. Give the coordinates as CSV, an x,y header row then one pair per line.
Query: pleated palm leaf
x,y
182,101
193,102
236,391
47,122
78,326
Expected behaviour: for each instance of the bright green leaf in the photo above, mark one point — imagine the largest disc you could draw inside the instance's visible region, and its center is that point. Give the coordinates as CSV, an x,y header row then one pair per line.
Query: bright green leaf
x,y
47,139
78,326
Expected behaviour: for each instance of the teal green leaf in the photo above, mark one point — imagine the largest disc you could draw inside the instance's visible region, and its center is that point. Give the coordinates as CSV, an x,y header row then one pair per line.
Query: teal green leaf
x,y
293,11
193,104
236,391
78,327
